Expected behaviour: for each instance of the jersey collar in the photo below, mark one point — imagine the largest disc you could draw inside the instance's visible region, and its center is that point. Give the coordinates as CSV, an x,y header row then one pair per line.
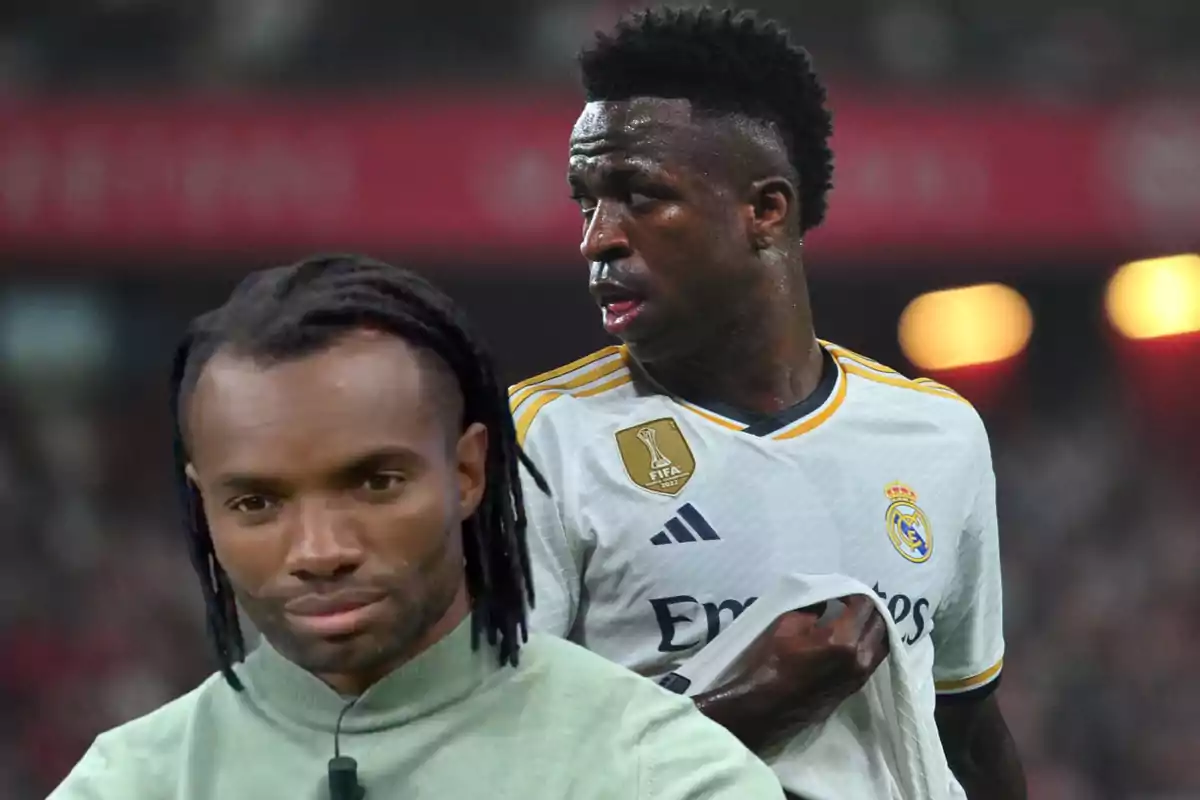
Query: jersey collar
x,y
787,423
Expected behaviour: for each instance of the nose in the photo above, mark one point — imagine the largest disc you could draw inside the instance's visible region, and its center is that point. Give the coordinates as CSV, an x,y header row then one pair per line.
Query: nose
x,y
604,238
325,545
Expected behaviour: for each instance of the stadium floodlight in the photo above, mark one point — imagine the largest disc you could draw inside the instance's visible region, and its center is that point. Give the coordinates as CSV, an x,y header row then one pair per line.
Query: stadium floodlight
x,y
966,326
1155,297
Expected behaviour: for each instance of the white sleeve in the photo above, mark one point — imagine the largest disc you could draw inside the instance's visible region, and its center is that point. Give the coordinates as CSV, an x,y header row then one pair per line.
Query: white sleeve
x,y
555,550
968,633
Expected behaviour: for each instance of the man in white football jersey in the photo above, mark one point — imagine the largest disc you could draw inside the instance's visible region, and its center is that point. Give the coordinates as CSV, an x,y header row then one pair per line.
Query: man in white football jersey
x,y
723,445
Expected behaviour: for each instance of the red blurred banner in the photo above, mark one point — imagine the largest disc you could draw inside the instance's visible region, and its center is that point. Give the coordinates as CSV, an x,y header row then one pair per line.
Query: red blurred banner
x,y
481,179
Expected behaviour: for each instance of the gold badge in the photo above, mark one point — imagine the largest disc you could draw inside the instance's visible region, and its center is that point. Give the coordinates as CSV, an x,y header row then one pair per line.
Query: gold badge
x,y
656,456
907,525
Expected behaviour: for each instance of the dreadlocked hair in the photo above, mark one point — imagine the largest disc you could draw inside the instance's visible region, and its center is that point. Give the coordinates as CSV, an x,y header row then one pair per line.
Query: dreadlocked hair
x,y
289,312
724,62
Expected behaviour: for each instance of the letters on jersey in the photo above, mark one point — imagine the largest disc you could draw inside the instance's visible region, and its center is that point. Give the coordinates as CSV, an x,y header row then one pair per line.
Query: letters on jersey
x,y
656,456
644,556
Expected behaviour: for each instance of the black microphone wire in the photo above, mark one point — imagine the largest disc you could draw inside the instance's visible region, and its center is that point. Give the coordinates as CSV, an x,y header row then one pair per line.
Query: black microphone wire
x,y
343,770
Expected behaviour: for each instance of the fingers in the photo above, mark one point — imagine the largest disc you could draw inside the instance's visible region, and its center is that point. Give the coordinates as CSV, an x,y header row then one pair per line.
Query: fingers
x,y
861,608
858,631
795,623
873,645
849,625
862,628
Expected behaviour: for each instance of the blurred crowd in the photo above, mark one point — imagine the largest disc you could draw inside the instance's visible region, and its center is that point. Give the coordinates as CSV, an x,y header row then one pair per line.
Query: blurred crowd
x,y
1063,50
1101,602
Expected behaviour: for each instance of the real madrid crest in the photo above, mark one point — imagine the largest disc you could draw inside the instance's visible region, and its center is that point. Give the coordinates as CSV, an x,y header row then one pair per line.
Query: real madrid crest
x,y
656,456
907,525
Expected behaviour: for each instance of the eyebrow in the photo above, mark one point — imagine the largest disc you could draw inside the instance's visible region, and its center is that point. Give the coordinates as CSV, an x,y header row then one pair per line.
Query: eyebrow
x,y
356,467
617,175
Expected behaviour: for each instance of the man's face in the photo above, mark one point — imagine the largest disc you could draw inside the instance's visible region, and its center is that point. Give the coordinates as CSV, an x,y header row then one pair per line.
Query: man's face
x,y
335,489
664,229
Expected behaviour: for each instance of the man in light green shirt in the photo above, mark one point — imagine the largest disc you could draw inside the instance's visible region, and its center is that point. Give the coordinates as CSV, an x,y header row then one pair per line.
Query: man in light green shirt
x,y
348,468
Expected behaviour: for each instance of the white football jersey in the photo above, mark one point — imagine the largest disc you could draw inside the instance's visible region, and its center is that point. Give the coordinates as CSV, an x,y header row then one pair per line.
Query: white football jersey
x,y
666,520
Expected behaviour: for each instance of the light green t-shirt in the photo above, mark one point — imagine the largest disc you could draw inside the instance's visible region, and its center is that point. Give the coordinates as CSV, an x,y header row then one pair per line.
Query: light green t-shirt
x,y
450,725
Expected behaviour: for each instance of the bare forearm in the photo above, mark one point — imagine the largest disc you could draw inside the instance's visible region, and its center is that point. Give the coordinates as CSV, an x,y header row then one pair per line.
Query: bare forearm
x,y
981,751
731,707
758,722
798,672
993,773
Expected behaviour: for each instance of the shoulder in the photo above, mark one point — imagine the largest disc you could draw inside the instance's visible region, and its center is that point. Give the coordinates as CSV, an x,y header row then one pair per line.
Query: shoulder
x,y
166,724
133,759
883,395
682,755
561,661
583,385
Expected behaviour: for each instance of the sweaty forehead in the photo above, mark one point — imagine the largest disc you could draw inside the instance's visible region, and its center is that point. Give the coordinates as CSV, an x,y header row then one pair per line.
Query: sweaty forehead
x,y
624,122
671,131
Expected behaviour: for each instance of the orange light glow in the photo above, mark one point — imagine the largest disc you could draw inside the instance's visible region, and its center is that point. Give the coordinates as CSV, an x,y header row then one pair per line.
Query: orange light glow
x,y
954,328
1156,297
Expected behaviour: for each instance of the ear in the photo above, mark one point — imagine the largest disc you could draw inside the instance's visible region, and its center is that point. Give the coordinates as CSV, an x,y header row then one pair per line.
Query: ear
x,y
193,479
471,453
773,204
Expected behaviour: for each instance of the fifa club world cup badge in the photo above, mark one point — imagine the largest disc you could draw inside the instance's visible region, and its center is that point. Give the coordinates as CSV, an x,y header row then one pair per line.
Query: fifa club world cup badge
x,y
907,525
656,456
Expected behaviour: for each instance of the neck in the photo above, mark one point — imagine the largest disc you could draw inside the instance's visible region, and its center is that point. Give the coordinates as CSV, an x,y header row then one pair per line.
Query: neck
x,y
768,360
355,684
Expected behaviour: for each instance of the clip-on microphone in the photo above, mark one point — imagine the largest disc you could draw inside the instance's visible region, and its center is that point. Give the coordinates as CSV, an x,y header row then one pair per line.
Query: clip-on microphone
x,y
343,770
343,779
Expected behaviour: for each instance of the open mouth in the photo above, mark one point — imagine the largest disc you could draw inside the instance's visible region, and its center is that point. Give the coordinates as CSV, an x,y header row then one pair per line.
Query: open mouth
x,y
619,305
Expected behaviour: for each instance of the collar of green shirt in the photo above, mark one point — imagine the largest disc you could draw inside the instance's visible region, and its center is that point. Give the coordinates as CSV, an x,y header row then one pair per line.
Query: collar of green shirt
x,y
444,674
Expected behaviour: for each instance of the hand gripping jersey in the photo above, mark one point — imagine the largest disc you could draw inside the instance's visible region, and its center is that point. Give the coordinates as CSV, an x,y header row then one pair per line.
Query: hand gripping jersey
x,y
876,744
667,520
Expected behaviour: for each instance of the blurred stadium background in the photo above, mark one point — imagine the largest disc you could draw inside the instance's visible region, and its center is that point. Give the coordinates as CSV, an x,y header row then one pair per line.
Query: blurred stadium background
x,y
153,150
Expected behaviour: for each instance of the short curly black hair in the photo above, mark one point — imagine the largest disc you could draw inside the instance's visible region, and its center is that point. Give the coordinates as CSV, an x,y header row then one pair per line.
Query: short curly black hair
x,y
727,62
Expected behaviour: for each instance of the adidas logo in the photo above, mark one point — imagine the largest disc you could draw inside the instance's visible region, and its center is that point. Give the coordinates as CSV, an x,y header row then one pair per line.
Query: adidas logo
x,y
687,525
